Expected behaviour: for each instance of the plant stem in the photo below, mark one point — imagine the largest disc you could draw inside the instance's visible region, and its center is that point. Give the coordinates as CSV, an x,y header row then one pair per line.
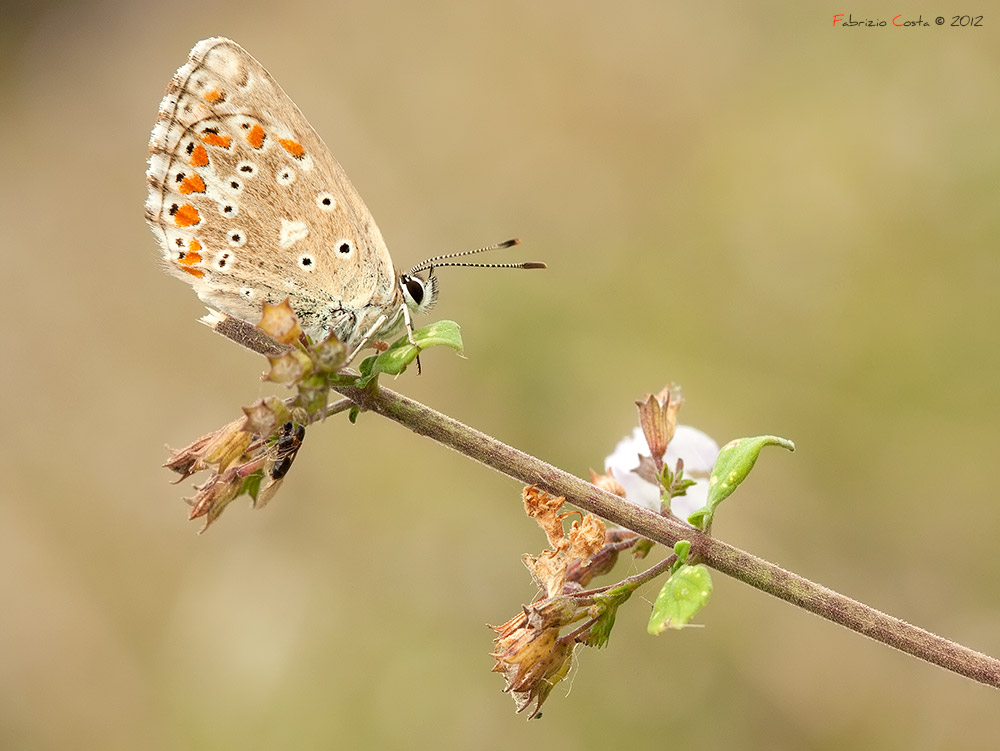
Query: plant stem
x,y
636,580
724,558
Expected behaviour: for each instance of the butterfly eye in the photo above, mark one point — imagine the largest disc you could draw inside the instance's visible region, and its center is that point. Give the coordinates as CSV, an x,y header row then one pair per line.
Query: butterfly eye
x,y
413,287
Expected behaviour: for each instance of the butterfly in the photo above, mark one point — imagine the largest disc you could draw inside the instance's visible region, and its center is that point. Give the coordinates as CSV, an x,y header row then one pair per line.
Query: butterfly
x,y
250,207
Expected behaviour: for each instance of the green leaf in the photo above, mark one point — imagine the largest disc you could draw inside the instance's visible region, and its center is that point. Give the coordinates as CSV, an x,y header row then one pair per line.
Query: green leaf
x,y
600,632
734,463
604,610
251,485
685,593
681,549
642,548
395,359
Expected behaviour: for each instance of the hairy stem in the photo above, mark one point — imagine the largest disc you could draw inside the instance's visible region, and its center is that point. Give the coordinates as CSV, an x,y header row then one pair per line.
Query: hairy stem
x,y
636,580
724,558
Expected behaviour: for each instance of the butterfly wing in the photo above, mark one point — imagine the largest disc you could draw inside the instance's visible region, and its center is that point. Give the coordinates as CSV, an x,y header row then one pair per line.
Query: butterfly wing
x,y
250,206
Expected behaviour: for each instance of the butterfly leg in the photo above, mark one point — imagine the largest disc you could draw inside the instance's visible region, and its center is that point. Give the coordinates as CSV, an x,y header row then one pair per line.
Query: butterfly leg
x,y
379,323
366,337
408,323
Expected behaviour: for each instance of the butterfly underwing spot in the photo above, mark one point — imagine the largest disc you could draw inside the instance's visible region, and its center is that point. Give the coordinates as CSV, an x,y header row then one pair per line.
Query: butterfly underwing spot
x,y
236,238
228,209
345,248
212,137
291,232
222,260
292,147
199,156
286,176
247,169
190,184
185,216
214,96
326,202
255,135
188,257
306,262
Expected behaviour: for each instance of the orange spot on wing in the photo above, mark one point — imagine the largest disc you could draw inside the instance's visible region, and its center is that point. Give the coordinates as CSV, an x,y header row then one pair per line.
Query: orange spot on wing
x,y
186,216
256,136
213,96
199,157
215,139
193,184
190,258
292,147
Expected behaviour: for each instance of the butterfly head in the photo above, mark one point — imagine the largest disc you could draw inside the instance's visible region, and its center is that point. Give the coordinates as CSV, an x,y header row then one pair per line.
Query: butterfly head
x,y
419,294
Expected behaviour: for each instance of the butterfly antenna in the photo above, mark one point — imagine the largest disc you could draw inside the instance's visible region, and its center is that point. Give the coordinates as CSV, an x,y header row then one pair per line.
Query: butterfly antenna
x,y
432,263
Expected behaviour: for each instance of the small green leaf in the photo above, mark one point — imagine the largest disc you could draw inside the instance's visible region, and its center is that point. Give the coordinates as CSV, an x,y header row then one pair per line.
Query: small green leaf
x,y
604,610
642,548
365,370
673,484
701,518
681,549
600,632
251,485
395,359
734,463
685,593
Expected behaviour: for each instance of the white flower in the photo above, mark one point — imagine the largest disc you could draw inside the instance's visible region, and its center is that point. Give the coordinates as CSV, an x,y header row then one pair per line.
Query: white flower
x,y
697,449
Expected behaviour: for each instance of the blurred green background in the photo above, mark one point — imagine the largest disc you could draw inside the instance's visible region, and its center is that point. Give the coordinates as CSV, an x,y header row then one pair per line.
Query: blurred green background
x,y
797,223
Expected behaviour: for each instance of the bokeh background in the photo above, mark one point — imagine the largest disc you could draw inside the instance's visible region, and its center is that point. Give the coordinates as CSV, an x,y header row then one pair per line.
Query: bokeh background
x,y
796,222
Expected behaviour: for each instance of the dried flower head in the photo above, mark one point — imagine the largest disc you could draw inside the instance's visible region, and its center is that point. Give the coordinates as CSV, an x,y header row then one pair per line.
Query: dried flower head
x,y
248,456
533,660
279,323
253,454
530,650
